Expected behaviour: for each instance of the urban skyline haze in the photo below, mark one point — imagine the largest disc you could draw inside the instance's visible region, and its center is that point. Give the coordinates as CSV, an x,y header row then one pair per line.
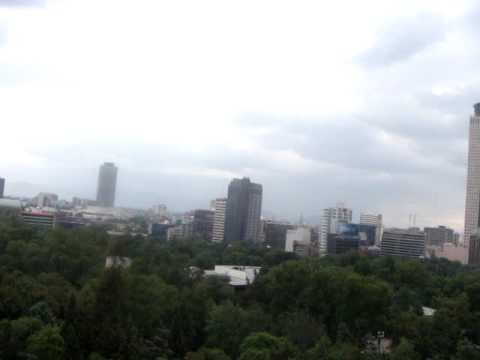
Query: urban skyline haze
x,y
183,97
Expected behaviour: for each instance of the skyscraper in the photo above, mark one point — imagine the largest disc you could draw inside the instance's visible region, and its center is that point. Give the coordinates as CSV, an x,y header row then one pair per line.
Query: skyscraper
x,y
472,203
244,207
330,219
107,183
2,187
219,207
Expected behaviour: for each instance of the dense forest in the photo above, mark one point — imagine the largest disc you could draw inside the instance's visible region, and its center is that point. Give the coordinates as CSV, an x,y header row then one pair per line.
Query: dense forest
x,y
57,301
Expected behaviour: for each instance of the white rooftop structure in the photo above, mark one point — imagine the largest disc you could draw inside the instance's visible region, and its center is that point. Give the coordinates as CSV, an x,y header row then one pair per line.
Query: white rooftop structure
x,y
238,275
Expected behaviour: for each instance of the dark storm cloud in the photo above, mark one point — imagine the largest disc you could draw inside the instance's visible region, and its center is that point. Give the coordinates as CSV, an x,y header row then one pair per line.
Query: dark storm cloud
x,y
404,39
22,3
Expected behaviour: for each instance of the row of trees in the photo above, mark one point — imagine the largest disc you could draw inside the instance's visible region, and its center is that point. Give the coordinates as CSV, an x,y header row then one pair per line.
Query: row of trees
x,y
57,301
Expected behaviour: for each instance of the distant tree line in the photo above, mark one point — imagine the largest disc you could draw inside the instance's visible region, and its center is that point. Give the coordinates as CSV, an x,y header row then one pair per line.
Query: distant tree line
x,y
57,301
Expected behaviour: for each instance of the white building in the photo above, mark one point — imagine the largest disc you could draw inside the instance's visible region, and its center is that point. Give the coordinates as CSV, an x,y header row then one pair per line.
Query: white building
x,y
117,261
301,236
238,276
328,225
375,220
219,207
472,203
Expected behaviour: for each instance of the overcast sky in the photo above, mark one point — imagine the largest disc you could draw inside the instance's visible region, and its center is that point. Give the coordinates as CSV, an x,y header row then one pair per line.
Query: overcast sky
x,y
364,102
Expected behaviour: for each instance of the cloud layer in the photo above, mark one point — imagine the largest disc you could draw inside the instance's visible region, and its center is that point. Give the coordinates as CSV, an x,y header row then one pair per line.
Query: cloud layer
x,y
369,106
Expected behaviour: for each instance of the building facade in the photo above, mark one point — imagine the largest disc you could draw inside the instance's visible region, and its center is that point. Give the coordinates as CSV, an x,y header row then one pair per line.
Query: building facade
x,y
472,203
331,217
438,236
275,233
342,243
46,200
474,249
375,220
107,184
301,235
2,187
404,243
203,224
40,220
244,207
219,207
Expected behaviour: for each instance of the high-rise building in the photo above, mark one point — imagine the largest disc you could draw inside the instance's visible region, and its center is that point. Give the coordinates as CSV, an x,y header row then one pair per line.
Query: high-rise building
x,y
107,183
219,207
377,221
438,236
2,187
244,207
472,203
474,249
405,243
331,217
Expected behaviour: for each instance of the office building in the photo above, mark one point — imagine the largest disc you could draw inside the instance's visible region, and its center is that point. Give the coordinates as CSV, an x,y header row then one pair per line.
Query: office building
x,y
474,249
472,203
2,187
46,200
203,224
405,243
328,225
375,220
366,234
219,207
107,183
438,236
275,233
244,207
342,243
40,220
180,231
159,230
299,236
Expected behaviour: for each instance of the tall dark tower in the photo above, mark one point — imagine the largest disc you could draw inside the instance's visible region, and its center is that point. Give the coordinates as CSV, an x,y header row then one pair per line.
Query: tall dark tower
x,y
472,203
107,183
244,207
2,187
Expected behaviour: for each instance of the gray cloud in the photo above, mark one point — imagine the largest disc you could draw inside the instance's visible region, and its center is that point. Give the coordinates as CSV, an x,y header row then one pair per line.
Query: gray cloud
x,y
404,39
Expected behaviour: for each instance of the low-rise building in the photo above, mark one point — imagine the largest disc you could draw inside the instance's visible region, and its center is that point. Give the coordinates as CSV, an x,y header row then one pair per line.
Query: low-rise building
x,y
298,239
342,243
238,275
38,219
118,261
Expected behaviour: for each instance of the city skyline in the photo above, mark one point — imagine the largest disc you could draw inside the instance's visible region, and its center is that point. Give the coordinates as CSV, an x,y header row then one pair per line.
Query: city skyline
x,y
365,113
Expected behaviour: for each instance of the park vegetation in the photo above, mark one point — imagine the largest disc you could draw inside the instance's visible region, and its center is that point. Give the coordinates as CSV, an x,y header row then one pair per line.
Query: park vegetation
x,y
57,301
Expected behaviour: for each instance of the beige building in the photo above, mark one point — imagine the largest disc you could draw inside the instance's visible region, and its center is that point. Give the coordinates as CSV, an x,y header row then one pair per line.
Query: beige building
x,y
219,207
472,202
